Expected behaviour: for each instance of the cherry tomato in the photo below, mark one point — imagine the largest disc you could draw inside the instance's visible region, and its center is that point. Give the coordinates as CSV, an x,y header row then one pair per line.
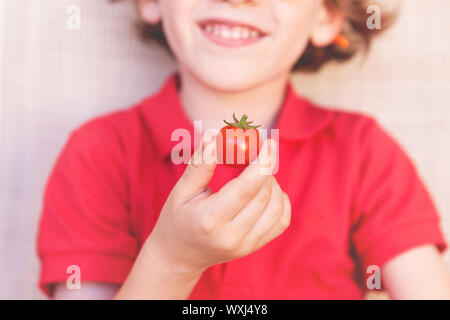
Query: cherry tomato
x,y
238,142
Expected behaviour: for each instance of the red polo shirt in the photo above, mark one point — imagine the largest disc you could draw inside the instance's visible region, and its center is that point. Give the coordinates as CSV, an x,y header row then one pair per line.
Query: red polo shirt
x,y
357,200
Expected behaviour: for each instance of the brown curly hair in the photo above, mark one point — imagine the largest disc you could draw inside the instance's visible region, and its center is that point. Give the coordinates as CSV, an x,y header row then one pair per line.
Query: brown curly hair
x,y
355,30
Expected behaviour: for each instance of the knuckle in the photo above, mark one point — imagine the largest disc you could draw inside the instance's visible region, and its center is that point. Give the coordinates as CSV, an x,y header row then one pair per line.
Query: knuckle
x,y
194,166
228,243
277,209
259,239
286,221
207,224
265,195
247,195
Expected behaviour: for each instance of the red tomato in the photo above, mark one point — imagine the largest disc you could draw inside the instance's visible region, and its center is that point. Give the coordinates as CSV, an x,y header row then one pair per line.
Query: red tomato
x,y
238,142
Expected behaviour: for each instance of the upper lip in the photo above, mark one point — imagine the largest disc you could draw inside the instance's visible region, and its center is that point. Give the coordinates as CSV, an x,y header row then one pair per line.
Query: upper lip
x,y
231,22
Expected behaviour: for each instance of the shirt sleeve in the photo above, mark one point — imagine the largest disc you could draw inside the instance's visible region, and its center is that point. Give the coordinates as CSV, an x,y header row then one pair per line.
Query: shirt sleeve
x,y
85,214
393,211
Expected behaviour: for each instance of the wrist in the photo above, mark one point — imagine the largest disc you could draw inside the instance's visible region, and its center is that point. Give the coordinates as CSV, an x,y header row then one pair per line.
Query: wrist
x,y
152,277
157,255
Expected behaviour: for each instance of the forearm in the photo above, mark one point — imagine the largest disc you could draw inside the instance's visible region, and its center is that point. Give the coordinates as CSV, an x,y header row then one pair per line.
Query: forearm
x,y
419,273
151,280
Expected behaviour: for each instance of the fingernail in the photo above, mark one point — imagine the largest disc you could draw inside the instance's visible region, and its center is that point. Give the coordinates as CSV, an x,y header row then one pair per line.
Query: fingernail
x,y
273,147
265,152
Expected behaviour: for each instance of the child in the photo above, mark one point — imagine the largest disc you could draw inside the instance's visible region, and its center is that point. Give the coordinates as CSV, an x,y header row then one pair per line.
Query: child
x,y
345,203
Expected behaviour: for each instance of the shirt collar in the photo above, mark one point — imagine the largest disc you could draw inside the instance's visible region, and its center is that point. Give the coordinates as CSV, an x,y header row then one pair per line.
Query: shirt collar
x,y
299,119
164,113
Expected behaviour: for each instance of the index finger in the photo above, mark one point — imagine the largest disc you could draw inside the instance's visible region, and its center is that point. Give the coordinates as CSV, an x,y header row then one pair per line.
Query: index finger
x,y
237,193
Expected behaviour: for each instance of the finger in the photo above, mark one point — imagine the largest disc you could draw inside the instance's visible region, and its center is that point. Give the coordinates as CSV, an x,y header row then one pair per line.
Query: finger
x,y
281,225
248,216
237,193
199,171
269,217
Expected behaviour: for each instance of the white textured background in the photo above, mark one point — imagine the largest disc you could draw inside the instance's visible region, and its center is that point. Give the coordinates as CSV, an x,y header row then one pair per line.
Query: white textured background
x,y
53,79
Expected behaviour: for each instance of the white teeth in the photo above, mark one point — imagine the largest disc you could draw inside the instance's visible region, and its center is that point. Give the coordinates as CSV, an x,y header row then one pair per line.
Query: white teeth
x,y
216,30
227,32
236,33
245,33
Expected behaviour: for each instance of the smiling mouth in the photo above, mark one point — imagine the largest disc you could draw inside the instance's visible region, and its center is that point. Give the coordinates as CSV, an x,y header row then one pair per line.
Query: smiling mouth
x,y
230,34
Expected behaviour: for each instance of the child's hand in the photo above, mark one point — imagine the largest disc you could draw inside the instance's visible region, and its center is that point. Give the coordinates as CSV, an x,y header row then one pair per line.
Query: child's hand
x,y
197,229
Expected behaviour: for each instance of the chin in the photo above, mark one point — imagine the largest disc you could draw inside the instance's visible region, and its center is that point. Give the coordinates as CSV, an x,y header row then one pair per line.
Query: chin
x,y
229,79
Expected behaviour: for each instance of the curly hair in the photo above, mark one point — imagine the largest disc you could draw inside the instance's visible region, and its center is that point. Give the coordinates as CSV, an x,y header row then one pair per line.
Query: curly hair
x,y
355,30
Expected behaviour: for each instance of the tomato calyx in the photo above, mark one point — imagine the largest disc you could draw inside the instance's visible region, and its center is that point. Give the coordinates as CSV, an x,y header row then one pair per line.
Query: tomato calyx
x,y
243,124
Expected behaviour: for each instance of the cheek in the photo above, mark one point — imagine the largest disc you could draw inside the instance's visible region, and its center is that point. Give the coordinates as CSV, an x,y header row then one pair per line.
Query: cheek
x,y
176,23
295,23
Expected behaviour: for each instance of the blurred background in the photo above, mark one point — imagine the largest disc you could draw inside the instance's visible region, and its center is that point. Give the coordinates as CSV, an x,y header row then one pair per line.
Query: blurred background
x,y
52,79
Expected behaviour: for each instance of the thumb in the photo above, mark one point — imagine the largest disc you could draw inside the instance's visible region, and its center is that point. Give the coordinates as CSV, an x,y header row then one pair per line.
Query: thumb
x,y
199,171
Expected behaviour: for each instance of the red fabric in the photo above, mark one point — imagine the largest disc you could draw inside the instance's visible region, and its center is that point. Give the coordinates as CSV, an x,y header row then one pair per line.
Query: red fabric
x,y
357,200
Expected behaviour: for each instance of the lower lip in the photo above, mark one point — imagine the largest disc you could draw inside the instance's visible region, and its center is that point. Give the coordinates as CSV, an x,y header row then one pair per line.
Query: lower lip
x,y
229,42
